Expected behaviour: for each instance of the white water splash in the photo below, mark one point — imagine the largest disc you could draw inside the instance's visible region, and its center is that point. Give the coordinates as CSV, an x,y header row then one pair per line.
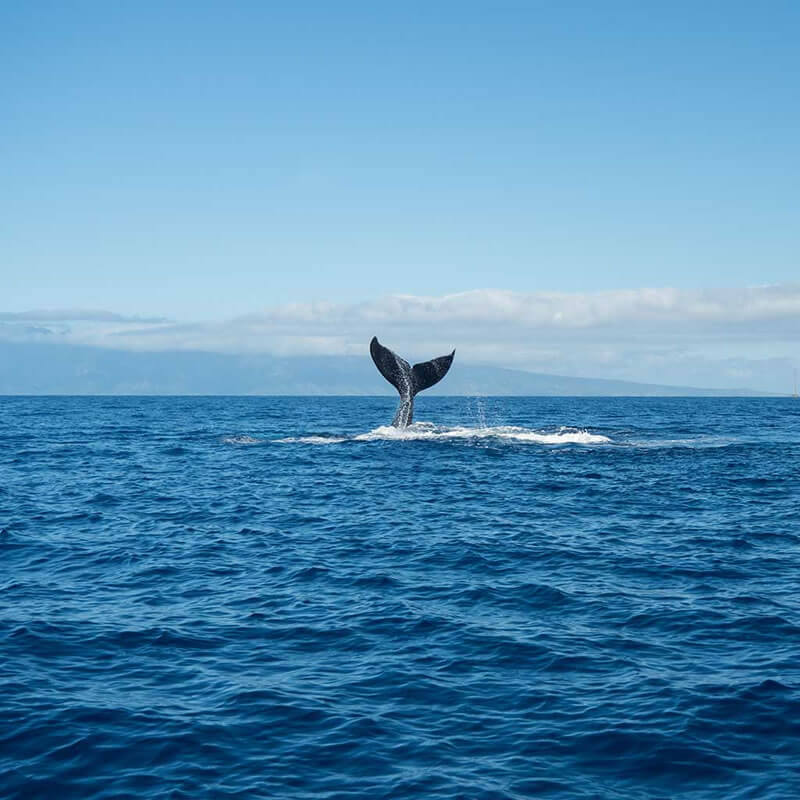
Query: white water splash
x,y
426,431
316,439
241,440
694,442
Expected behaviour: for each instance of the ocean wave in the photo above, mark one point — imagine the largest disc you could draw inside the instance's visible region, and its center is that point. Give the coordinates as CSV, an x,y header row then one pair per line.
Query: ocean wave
x,y
496,606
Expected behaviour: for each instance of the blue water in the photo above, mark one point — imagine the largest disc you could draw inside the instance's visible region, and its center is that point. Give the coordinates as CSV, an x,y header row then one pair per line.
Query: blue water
x,y
278,598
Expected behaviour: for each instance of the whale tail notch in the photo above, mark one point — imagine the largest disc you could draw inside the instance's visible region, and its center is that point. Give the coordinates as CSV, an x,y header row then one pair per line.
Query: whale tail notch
x,y
408,380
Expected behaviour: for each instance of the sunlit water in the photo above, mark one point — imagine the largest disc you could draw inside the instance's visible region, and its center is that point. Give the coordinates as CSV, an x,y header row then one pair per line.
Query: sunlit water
x,y
514,598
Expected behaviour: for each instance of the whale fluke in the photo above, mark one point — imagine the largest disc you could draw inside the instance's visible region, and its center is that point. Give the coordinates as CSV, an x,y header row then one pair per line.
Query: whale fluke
x,y
406,379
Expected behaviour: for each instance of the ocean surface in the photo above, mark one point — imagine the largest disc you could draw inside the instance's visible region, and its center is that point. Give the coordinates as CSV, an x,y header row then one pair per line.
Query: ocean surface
x,y
518,597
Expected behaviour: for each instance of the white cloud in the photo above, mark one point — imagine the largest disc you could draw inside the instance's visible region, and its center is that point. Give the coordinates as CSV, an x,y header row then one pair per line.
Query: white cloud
x,y
556,310
637,334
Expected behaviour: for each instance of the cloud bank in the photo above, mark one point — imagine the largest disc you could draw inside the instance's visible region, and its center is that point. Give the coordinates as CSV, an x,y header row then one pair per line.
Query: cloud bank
x,y
73,315
715,337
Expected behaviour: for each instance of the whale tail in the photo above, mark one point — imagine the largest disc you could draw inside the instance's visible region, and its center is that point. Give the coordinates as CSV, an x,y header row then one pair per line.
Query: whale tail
x,y
408,380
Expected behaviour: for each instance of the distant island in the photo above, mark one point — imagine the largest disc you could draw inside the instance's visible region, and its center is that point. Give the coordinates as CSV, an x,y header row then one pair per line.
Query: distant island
x,y
60,369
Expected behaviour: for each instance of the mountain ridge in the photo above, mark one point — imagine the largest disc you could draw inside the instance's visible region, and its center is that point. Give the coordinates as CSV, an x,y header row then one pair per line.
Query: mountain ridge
x,y
61,369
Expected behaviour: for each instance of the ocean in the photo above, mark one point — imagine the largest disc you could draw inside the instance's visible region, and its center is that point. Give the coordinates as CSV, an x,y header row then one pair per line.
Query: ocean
x,y
274,597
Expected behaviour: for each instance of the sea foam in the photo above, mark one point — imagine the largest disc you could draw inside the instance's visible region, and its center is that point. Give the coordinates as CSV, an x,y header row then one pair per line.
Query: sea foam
x,y
427,431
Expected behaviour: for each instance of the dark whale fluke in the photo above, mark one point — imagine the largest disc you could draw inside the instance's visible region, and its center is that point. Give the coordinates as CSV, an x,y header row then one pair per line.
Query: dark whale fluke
x,y
406,379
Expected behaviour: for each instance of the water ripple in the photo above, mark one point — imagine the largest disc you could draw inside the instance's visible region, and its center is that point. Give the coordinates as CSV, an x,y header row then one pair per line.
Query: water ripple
x,y
582,598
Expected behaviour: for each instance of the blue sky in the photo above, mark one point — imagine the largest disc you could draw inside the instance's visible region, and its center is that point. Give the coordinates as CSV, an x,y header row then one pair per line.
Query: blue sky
x,y
203,161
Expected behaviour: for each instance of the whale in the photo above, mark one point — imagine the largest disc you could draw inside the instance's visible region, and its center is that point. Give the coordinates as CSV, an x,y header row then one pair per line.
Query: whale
x,y
409,381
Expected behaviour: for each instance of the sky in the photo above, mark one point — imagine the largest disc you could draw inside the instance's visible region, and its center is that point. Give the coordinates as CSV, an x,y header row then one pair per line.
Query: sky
x,y
298,163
